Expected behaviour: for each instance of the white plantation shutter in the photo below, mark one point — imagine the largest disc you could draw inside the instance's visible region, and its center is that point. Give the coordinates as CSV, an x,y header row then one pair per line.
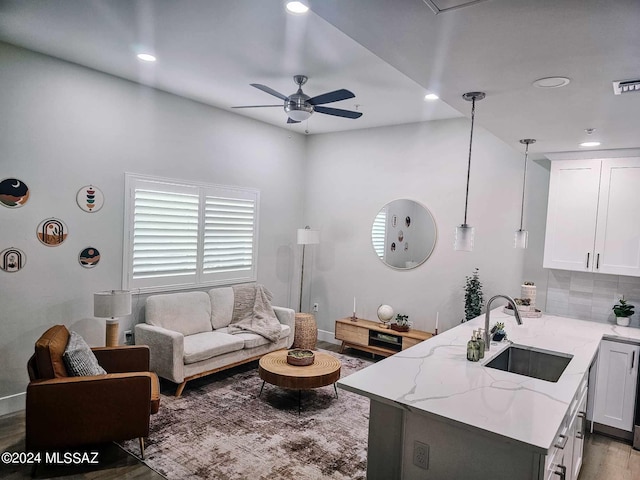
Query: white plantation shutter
x,y
379,232
183,235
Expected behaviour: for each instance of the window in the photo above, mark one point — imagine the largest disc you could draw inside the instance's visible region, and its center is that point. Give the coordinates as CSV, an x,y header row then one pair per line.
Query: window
x,y
184,234
379,232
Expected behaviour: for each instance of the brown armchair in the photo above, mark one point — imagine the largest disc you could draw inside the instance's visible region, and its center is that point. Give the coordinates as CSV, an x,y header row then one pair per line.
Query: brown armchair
x,y
64,411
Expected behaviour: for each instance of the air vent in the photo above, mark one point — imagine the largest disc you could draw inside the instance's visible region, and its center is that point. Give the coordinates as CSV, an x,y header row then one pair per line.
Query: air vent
x,y
443,6
626,86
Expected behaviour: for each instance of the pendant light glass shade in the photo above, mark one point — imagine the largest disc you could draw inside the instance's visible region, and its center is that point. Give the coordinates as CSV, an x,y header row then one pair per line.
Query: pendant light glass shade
x,y
521,239
464,238
464,232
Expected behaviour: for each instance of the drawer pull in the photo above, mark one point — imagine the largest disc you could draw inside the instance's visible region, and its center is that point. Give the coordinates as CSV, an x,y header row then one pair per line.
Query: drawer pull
x,y
583,416
588,255
633,359
598,262
562,473
563,441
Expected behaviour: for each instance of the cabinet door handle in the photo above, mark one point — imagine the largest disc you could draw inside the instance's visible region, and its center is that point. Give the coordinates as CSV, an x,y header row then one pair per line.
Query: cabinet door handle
x,y
598,262
562,473
633,359
583,416
588,255
563,442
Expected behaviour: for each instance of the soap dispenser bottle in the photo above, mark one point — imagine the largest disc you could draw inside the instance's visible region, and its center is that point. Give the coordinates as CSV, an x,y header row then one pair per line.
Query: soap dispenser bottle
x,y
481,343
473,348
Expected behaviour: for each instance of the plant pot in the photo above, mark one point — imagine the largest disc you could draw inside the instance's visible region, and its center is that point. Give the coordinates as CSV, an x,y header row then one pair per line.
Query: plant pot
x,y
300,357
498,336
623,321
399,328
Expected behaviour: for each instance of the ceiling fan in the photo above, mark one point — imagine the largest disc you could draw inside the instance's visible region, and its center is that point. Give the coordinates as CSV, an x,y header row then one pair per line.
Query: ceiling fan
x,y
299,106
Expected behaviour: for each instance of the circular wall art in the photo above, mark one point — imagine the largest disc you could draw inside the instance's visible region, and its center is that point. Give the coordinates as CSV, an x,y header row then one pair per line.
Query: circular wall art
x,y
89,257
400,235
12,259
90,198
52,232
14,193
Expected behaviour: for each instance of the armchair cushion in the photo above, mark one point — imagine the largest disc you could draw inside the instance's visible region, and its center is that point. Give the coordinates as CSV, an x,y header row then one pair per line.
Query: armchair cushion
x,y
79,359
49,350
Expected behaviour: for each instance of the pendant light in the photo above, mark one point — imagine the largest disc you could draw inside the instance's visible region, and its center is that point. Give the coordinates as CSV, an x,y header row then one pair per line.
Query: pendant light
x,y
522,236
464,232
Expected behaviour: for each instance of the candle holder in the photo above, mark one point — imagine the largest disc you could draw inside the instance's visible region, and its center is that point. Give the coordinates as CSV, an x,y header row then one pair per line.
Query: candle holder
x,y
353,317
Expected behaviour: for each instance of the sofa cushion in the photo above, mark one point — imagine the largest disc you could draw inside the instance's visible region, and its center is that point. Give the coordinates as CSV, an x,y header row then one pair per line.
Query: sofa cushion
x,y
184,312
252,340
202,346
49,350
221,306
79,359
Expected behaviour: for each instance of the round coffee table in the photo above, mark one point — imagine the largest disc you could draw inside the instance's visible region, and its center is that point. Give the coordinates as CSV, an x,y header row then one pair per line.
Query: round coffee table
x,y
274,369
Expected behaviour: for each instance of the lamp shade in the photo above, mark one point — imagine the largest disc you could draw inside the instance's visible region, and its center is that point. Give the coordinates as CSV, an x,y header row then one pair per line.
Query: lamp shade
x,y
306,236
112,304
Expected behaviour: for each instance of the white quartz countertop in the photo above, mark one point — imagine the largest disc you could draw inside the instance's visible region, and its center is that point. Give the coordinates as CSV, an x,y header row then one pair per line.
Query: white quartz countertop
x,y
435,378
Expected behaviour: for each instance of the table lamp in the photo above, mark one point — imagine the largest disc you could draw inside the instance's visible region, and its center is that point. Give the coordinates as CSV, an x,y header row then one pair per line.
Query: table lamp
x,y
112,305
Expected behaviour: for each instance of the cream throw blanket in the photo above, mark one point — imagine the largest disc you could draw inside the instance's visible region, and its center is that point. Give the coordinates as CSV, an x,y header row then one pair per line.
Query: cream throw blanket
x,y
252,312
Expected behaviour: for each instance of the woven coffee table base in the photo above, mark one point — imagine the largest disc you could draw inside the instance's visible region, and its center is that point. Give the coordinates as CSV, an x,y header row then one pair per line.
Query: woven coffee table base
x,y
306,334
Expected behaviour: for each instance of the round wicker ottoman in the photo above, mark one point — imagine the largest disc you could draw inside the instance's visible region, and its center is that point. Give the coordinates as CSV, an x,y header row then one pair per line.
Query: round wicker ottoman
x,y
306,334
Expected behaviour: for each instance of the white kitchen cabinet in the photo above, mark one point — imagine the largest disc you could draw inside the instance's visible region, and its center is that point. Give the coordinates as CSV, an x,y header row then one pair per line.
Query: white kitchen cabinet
x,y
616,384
591,216
578,430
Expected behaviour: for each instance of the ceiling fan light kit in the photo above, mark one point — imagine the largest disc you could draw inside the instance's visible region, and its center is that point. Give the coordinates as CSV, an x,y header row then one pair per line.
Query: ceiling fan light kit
x,y
464,233
299,106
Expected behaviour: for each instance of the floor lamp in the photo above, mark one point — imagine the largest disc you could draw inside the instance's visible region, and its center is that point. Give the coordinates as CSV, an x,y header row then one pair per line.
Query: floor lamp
x,y
112,305
306,236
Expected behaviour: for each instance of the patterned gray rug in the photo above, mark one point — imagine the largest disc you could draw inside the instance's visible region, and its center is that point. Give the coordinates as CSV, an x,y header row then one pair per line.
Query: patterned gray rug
x,y
219,429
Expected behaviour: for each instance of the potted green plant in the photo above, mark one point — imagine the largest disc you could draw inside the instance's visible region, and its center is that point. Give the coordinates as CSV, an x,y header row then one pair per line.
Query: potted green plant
x,y
401,324
473,297
623,311
497,332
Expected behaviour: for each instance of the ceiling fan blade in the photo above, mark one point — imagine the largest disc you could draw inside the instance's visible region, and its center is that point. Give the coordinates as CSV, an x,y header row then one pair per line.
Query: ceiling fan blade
x,y
338,112
257,106
270,91
289,120
330,97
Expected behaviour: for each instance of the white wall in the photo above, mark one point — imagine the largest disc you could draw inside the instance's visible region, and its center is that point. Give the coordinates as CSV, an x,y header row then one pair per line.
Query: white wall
x,y
65,126
351,175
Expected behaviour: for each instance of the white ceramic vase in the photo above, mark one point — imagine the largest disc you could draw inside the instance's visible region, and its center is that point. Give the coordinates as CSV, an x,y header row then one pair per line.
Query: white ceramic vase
x,y
623,321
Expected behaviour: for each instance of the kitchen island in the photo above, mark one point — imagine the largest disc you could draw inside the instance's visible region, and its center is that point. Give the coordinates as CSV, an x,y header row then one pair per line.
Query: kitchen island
x,y
431,407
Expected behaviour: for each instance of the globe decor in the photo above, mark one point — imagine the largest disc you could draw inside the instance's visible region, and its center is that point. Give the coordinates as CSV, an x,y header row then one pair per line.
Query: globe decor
x,y
385,314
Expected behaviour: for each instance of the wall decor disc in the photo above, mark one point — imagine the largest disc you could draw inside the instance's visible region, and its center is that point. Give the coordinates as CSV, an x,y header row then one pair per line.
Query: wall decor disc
x,y
90,198
89,257
12,259
14,193
52,232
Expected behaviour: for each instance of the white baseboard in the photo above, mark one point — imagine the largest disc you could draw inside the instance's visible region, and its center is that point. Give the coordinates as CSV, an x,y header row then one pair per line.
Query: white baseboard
x,y
328,337
12,403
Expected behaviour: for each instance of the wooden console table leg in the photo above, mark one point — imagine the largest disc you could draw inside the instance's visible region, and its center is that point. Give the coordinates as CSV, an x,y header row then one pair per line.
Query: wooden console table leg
x,y
342,347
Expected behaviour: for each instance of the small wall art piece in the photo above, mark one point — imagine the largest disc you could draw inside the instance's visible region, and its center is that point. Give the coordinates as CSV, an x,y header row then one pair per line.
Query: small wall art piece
x,y
394,221
12,259
52,232
393,246
400,235
14,193
406,246
89,257
90,198
407,221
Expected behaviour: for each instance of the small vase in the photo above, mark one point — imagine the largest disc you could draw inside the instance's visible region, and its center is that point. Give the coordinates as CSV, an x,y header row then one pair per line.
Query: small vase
x,y
623,321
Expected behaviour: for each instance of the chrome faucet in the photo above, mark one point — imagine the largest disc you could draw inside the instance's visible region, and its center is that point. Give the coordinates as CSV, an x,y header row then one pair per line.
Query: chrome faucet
x,y
487,336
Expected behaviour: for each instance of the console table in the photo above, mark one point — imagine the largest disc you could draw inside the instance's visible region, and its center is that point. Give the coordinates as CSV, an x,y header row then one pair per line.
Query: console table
x,y
372,337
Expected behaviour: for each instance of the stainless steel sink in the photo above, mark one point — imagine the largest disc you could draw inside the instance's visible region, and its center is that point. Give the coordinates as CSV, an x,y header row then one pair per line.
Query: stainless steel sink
x,y
531,362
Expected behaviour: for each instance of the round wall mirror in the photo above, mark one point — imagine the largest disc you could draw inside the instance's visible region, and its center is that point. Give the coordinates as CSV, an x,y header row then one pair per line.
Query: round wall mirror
x,y
403,234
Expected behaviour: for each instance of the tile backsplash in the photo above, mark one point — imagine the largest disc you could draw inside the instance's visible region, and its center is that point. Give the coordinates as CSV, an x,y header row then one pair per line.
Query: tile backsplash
x,y
591,296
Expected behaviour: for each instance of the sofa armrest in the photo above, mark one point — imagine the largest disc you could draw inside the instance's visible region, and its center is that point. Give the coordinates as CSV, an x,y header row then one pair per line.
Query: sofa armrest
x,y
166,349
69,411
129,358
287,316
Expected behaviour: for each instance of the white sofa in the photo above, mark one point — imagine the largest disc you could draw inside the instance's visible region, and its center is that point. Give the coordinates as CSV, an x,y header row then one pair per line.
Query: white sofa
x,y
187,335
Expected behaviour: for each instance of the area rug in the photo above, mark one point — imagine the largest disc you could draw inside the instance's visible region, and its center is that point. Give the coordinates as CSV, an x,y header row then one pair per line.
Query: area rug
x,y
220,429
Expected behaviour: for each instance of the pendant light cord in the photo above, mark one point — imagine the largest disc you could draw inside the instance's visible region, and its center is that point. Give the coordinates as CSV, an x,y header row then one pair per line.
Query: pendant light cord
x,y
524,182
466,198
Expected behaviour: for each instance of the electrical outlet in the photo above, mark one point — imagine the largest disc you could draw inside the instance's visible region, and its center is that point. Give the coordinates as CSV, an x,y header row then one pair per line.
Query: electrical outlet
x,y
315,307
128,337
421,455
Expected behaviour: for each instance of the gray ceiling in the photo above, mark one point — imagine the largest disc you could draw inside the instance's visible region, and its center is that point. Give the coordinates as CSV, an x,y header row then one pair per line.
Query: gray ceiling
x,y
388,52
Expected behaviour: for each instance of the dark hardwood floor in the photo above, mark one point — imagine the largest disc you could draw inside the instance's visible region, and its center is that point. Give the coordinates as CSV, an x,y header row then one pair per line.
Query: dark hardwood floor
x,y
605,458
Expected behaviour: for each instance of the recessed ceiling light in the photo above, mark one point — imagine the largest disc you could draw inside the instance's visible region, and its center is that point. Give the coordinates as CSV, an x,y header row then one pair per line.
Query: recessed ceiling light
x,y
297,7
146,57
590,144
551,82
431,96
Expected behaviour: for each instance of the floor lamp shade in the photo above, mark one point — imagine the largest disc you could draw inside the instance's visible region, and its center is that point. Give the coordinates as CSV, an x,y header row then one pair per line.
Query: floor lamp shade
x,y
112,304
306,236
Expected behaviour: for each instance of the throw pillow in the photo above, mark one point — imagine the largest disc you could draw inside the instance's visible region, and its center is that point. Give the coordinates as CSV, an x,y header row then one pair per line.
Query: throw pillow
x,y
79,358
